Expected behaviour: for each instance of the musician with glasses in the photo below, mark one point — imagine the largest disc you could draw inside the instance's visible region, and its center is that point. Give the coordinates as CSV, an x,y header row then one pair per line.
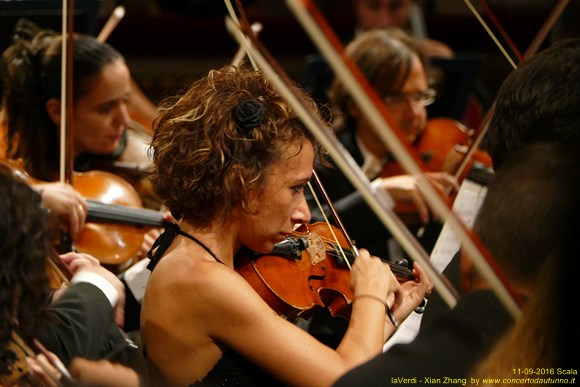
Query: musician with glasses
x,y
396,69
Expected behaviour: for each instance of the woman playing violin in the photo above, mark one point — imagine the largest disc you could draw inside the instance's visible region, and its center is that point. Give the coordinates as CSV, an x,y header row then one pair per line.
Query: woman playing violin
x,y
31,73
31,103
231,162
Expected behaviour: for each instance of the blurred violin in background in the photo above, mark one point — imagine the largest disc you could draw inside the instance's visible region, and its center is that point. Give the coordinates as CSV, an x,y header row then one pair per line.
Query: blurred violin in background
x,y
443,146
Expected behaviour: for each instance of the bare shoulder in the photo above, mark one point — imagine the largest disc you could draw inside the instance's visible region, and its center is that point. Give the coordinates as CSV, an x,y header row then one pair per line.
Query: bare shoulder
x,y
204,285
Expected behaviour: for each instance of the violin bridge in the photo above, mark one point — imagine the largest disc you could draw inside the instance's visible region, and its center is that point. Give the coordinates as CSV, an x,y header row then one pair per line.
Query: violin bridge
x,y
316,248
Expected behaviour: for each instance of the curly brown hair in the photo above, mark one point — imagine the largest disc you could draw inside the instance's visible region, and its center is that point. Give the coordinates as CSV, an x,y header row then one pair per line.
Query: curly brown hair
x,y
206,159
25,243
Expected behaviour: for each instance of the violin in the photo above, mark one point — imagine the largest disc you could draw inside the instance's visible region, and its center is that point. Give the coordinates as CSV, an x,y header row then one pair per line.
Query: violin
x,y
308,271
442,147
116,220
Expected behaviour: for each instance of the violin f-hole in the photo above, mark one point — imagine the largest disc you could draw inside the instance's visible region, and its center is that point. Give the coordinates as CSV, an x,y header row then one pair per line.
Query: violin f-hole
x,y
315,277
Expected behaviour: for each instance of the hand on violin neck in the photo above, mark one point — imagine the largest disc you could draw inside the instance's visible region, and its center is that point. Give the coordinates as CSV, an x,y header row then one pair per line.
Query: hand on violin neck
x,y
412,293
404,189
371,276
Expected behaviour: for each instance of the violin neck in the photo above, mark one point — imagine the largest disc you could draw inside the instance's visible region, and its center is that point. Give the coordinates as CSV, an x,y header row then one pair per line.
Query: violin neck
x,y
112,213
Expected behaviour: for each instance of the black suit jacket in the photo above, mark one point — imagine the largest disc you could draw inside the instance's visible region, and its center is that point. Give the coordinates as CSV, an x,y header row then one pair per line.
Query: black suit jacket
x,y
81,323
448,346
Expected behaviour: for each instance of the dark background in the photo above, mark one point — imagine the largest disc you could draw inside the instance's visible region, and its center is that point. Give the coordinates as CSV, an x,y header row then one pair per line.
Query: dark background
x,y
169,43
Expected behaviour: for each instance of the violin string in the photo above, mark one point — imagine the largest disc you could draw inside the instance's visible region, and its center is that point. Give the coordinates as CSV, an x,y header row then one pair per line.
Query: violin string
x,y
396,269
327,221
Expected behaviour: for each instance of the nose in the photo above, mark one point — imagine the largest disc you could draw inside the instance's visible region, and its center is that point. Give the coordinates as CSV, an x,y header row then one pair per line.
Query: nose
x,y
123,117
301,214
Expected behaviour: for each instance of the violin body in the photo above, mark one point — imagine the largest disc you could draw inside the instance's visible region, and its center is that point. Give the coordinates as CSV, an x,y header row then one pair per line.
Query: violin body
x,y
111,243
298,287
442,147
314,276
116,220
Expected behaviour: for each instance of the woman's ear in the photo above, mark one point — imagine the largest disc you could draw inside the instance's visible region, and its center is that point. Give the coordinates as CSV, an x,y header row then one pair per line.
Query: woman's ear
x,y
53,110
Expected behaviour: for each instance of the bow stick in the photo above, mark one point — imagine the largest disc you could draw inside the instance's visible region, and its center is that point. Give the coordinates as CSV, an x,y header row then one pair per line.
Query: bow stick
x,y
369,102
378,200
114,19
65,377
66,91
531,51
241,53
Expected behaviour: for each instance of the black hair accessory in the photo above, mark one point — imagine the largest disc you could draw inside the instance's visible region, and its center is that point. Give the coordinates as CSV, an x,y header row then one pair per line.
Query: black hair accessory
x,y
249,114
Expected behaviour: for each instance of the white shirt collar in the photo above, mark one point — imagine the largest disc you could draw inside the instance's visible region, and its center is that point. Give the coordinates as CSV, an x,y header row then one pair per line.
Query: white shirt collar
x,y
372,165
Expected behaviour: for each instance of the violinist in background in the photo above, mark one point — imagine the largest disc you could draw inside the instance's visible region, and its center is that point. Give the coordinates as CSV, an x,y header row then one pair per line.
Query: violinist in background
x,y
80,320
31,103
101,89
528,218
231,161
537,102
392,63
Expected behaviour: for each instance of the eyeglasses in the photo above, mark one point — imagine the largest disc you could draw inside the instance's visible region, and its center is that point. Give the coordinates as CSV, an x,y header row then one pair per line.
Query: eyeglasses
x,y
420,98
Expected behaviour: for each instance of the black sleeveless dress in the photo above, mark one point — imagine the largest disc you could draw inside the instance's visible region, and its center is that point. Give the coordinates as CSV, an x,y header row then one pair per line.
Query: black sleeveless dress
x,y
232,369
